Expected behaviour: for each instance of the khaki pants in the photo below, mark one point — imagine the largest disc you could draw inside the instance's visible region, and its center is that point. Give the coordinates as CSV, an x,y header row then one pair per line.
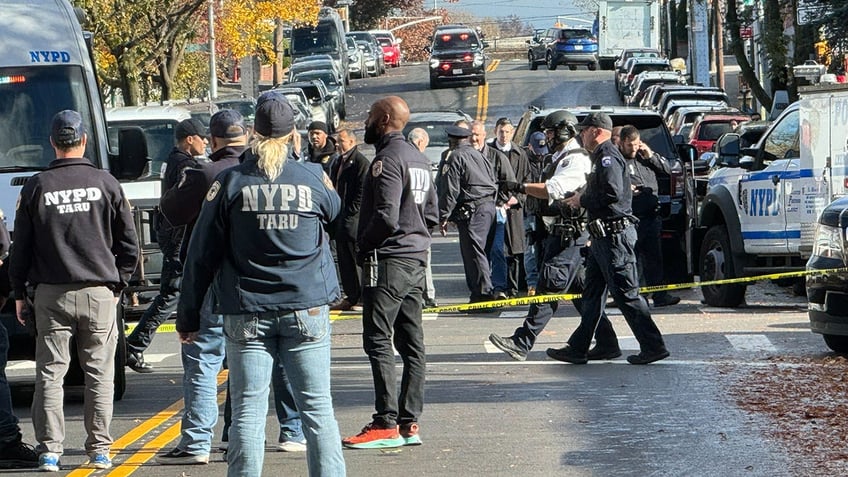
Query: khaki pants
x,y
89,314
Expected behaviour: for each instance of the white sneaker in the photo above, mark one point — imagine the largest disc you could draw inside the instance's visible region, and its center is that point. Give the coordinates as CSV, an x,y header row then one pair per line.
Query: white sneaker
x,y
292,446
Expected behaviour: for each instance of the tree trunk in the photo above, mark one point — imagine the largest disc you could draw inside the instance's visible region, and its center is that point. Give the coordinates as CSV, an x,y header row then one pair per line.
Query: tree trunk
x,y
738,49
128,77
671,17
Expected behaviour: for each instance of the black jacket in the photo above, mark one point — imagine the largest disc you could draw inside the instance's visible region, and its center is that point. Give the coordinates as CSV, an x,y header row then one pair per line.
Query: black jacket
x,y
348,176
326,156
502,169
643,175
608,194
73,225
466,176
181,204
398,202
514,232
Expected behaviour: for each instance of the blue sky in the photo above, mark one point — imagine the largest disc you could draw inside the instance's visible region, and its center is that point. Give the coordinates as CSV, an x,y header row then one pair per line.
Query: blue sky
x,y
540,13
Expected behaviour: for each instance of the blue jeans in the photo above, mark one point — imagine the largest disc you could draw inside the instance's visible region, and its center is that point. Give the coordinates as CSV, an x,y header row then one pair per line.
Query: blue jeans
x,y
202,361
497,257
9,429
300,341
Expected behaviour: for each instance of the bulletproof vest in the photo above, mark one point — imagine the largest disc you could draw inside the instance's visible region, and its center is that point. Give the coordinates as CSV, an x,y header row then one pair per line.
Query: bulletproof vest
x,y
557,208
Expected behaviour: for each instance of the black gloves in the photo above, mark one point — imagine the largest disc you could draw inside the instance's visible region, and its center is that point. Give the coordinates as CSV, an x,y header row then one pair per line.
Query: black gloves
x,y
510,186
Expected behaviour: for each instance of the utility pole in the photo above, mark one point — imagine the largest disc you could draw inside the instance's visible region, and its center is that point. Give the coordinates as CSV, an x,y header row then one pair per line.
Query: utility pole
x,y
719,42
213,76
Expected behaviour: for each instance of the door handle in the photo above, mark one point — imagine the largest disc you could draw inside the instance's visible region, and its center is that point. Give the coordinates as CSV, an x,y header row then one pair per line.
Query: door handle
x,y
775,179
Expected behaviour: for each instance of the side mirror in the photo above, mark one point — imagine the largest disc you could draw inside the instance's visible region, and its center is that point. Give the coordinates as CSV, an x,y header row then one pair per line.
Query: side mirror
x,y
728,146
132,158
746,162
485,44
710,158
687,153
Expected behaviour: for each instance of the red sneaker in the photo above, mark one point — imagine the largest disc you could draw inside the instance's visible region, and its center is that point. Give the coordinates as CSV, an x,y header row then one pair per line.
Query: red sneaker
x,y
409,432
373,437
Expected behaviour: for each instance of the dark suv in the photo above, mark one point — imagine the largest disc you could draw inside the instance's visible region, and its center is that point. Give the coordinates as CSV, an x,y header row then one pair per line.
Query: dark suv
x,y
675,192
456,55
572,47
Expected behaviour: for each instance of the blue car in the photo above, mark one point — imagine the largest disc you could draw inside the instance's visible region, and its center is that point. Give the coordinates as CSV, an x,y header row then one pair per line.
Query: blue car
x,y
571,47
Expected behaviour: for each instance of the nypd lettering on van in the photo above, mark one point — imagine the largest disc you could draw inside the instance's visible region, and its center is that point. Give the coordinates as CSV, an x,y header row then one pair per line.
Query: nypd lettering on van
x,y
49,56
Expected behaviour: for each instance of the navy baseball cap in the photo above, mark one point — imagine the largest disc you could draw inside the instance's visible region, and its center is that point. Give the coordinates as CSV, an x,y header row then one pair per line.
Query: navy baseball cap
x,y
67,128
227,123
274,115
456,131
537,143
189,127
597,119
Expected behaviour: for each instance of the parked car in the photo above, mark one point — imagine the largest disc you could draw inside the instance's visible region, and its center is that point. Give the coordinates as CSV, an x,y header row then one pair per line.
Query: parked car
x,y
674,105
634,93
314,62
392,55
368,37
456,55
680,122
709,127
321,104
628,53
571,47
676,204
827,293
434,122
300,104
370,56
335,87
355,59
692,93
244,105
638,65
654,93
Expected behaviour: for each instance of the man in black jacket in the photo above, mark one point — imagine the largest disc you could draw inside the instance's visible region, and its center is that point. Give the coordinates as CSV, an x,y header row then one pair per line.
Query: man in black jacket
x,y
398,209
321,148
191,142
348,175
75,240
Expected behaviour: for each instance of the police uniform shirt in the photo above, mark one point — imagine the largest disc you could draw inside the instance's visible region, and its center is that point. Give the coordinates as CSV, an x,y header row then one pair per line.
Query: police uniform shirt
x,y
608,194
73,225
263,241
466,176
570,173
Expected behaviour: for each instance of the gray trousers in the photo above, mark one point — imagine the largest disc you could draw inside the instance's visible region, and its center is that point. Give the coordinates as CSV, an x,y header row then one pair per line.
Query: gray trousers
x,y
89,314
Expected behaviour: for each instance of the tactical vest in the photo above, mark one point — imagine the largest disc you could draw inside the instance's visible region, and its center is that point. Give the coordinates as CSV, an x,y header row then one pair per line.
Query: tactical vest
x,y
557,208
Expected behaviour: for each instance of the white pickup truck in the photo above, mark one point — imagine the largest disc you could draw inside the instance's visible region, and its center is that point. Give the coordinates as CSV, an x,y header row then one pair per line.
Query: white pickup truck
x,y
761,207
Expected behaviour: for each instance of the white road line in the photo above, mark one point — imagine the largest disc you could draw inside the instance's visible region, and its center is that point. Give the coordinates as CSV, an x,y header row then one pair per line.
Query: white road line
x,y
751,343
429,316
490,348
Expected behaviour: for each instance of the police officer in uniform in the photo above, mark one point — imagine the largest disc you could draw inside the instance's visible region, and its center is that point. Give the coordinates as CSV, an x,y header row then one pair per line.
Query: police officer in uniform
x,y
560,237
466,190
75,241
611,262
644,165
398,209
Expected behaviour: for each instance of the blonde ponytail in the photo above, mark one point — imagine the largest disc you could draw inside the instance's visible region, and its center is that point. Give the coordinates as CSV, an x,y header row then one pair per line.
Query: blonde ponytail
x,y
272,153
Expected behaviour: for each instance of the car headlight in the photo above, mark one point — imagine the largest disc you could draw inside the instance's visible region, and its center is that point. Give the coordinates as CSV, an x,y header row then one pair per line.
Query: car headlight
x,y
434,63
478,59
828,242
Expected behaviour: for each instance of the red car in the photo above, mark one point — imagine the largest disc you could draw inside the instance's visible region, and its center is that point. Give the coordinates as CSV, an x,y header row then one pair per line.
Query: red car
x,y
391,47
710,127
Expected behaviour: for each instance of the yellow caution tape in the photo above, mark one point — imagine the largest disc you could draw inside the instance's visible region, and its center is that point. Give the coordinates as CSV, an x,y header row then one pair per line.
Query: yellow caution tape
x,y
511,302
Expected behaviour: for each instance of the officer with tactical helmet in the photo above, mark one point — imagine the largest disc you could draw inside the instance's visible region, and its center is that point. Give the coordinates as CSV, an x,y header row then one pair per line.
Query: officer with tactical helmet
x,y
611,262
560,236
466,188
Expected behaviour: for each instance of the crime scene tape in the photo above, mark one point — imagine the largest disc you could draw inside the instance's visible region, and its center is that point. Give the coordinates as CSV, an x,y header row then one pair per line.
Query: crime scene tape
x,y
510,302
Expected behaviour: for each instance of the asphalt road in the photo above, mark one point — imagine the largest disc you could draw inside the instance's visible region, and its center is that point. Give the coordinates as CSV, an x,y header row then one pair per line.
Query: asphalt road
x,y
486,414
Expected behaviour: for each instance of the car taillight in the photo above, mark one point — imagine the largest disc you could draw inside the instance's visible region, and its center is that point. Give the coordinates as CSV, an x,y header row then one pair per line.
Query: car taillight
x,y
677,185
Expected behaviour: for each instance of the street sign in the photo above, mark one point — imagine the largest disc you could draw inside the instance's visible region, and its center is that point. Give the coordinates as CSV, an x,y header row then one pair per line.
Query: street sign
x,y
811,10
746,33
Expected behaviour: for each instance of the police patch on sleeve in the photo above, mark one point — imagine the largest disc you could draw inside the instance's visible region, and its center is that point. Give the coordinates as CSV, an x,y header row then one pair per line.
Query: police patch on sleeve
x,y
606,161
377,169
327,182
213,191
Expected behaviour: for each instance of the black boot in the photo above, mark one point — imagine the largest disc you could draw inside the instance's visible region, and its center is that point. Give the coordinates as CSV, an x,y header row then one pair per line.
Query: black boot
x,y
135,361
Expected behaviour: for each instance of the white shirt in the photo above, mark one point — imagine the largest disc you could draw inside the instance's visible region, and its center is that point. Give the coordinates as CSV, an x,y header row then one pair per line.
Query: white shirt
x,y
570,173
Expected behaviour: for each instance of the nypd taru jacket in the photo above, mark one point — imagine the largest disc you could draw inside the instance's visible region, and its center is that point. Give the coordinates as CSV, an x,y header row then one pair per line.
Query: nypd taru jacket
x,y
73,225
262,242
398,202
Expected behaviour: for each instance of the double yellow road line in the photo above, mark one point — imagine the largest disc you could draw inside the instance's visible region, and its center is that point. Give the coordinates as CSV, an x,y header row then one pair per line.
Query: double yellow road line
x,y
483,93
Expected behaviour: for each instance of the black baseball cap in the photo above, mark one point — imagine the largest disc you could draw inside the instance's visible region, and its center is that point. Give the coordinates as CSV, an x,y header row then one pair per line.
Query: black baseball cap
x,y
274,115
597,119
189,127
227,123
67,128
319,126
456,131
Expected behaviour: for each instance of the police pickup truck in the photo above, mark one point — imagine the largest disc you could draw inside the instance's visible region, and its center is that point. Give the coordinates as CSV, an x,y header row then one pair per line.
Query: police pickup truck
x,y
761,208
46,67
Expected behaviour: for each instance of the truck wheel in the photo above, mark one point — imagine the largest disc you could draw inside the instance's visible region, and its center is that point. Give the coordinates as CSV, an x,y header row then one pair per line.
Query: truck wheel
x,y
716,261
549,60
837,343
532,60
593,66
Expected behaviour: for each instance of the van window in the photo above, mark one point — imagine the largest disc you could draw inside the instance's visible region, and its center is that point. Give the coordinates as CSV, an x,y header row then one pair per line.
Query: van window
x,y
309,41
458,39
782,141
29,97
160,142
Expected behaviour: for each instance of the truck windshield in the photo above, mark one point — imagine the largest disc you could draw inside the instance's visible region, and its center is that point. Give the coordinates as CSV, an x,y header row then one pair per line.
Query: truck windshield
x,y
29,97
309,41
